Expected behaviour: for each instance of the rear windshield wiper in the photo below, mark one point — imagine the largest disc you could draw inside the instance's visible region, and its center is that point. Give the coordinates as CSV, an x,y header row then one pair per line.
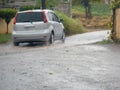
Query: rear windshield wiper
x,y
26,21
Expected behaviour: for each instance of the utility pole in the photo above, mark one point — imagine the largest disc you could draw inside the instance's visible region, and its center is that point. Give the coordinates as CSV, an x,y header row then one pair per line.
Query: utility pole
x,y
43,4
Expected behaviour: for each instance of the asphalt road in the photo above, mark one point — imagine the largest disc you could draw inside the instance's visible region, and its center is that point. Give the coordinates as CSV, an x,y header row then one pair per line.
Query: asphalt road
x,y
76,65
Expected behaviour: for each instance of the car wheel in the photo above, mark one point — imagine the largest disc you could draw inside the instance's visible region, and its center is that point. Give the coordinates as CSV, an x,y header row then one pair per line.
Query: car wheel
x,y
16,43
51,40
63,37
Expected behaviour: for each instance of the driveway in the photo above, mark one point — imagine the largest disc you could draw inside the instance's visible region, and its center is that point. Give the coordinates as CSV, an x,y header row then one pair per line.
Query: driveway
x,y
75,65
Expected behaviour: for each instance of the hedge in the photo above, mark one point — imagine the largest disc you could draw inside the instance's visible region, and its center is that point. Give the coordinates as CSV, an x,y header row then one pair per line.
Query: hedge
x,y
7,14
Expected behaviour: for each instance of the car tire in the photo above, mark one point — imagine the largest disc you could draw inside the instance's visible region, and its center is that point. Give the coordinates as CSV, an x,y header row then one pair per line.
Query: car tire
x,y
63,37
51,40
16,43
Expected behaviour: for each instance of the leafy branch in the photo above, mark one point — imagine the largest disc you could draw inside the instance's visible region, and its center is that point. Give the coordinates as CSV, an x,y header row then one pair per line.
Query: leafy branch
x,y
115,4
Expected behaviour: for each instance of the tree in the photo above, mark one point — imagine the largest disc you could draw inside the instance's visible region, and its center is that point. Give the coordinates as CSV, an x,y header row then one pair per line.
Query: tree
x,y
7,15
43,4
3,2
86,4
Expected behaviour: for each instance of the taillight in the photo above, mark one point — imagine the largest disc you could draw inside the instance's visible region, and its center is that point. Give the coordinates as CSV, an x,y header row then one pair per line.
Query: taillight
x,y
44,17
15,19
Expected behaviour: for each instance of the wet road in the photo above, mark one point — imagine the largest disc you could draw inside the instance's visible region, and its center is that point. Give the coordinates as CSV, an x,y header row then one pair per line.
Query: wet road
x,y
75,65
79,39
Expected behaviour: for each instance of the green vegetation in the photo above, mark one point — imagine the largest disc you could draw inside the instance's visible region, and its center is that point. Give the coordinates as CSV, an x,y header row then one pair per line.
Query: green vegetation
x,y
78,9
115,4
77,2
72,26
5,38
98,9
101,15
109,41
29,7
7,15
49,3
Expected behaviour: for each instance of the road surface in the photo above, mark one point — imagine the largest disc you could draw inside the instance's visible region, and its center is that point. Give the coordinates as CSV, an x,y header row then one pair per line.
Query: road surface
x,y
75,65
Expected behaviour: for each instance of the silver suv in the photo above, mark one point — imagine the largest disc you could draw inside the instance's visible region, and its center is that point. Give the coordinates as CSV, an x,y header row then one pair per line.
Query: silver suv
x,y
37,26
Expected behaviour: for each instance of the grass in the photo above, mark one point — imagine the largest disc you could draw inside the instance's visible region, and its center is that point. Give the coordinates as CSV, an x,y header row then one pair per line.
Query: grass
x,y
5,38
98,9
77,8
108,41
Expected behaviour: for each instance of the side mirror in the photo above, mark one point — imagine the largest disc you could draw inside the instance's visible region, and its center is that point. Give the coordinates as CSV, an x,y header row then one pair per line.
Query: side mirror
x,y
61,20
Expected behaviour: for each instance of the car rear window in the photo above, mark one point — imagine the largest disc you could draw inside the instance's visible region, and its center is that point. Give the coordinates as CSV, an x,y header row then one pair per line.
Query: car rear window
x,y
29,17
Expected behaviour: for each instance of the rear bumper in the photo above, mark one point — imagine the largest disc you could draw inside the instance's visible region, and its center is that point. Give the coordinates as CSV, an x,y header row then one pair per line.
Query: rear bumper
x,y
30,37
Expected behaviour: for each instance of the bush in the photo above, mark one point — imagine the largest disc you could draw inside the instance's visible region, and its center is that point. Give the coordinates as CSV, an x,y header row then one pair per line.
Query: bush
x,y
29,7
72,26
7,15
50,3
115,4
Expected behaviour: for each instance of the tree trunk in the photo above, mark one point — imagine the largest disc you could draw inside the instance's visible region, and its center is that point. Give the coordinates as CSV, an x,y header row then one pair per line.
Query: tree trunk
x,y
113,25
7,29
43,4
88,12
